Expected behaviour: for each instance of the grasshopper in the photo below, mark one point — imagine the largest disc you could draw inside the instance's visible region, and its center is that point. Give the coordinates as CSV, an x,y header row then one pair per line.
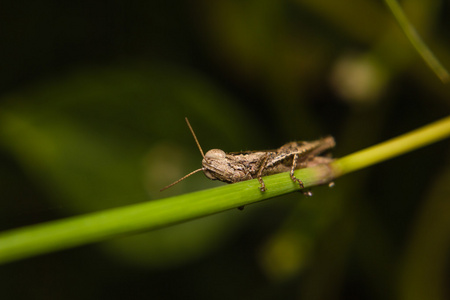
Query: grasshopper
x,y
240,166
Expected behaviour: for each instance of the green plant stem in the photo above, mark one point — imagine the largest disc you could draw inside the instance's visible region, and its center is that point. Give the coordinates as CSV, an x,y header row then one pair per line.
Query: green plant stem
x,y
80,230
426,135
417,42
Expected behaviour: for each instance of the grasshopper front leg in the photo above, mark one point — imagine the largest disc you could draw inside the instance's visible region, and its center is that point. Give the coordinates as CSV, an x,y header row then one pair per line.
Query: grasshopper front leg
x,y
260,171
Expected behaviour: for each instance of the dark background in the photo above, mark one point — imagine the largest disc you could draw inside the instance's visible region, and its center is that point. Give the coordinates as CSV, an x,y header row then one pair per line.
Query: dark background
x,y
93,97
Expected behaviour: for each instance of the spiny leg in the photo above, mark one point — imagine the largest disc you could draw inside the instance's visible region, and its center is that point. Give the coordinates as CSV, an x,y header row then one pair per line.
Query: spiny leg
x,y
259,175
294,165
263,186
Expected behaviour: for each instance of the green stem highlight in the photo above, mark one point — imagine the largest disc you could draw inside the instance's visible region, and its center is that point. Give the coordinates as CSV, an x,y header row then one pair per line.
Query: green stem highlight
x,y
81,230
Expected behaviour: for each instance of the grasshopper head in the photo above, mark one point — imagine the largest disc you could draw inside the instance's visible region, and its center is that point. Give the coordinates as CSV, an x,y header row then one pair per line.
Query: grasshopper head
x,y
212,163
215,164
215,154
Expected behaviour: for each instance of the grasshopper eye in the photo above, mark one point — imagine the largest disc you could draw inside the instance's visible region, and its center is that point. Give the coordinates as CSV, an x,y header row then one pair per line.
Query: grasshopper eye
x,y
215,154
209,174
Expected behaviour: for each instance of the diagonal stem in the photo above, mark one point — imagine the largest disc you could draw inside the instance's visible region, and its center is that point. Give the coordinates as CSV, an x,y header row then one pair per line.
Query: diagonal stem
x,y
81,230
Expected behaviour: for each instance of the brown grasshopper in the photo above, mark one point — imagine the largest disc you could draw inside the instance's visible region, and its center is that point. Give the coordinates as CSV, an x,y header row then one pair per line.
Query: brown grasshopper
x,y
240,166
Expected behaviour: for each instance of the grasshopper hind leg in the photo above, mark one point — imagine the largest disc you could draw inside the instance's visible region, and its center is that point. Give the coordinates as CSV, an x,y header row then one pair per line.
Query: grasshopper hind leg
x,y
294,165
295,179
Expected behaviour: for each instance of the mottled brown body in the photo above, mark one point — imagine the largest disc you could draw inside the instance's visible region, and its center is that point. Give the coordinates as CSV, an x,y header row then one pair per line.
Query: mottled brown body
x,y
241,166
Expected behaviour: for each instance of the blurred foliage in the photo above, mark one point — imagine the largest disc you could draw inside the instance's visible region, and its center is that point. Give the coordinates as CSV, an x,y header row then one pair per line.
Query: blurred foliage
x,y
92,102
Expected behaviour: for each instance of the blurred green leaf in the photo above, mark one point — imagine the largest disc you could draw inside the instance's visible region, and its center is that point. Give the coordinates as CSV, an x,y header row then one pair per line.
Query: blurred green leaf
x,y
102,138
423,267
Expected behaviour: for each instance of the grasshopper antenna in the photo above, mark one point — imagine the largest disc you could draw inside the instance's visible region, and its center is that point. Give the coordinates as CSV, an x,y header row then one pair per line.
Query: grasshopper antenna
x,y
195,137
182,178
193,172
